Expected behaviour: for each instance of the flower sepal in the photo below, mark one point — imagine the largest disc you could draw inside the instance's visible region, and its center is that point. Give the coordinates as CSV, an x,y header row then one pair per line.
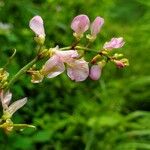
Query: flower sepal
x,y
8,126
39,40
91,38
78,36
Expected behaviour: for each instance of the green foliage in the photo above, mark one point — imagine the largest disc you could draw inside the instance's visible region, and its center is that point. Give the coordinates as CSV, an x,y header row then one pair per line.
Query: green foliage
x,y
110,114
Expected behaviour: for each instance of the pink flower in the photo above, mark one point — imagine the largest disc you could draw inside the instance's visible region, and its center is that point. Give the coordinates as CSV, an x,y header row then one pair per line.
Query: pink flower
x,y
95,72
114,43
80,24
5,100
96,26
76,69
36,24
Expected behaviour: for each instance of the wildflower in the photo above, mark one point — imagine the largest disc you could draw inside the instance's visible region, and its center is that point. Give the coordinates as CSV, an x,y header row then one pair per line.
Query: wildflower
x,y
95,72
77,69
96,26
114,43
10,110
80,24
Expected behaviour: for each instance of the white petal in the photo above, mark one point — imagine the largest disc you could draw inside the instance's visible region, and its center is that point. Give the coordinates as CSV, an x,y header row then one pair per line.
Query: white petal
x,y
16,105
5,98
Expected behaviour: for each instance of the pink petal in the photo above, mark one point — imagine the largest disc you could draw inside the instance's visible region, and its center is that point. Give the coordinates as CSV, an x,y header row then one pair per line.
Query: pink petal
x,y
67,56
78,70
114,43
36,24
80,24
53,67
95,72
96,26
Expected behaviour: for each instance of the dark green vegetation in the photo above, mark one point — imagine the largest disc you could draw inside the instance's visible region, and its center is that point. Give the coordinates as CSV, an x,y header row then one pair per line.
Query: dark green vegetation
x,y
109,114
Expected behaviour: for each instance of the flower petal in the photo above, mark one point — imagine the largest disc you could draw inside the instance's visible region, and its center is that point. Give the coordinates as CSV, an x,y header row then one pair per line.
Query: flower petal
x,y
16,105
5,98
53,67
80,24
36,24
67,56
114,43
96,26
78,70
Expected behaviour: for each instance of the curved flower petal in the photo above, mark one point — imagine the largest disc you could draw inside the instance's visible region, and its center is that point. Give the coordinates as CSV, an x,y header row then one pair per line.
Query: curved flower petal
x,y
36,24
95,72
67,56
96,26
78,70
5,98
80,24
114,43
16,105
53,67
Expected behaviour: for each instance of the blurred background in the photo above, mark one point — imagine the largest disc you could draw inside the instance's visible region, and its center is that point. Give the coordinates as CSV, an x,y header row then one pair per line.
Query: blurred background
x,y
109,114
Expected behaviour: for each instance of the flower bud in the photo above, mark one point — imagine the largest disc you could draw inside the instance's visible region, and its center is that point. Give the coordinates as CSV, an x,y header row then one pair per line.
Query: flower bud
x,y
96,26
80,24
95,72
121,63
36,25
114,43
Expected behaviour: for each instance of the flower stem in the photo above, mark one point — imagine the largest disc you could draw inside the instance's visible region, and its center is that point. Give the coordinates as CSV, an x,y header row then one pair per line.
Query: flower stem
x,y
86,49
32,62
21,71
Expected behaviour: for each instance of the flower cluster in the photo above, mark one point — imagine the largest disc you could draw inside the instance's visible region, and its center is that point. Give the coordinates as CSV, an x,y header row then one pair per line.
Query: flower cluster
x,y
56,60
78,68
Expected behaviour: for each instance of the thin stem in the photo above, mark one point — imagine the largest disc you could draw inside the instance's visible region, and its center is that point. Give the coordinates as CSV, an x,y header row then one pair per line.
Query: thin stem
x,y
21,71
66,48
32,62
85,48
79,48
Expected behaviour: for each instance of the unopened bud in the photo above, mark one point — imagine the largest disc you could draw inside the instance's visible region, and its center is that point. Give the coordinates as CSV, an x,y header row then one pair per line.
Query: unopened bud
x,y
95,72
80,24
96,26
121,63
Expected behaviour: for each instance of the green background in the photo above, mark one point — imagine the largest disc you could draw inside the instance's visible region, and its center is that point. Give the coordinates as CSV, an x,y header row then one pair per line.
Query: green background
x,y
109,114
